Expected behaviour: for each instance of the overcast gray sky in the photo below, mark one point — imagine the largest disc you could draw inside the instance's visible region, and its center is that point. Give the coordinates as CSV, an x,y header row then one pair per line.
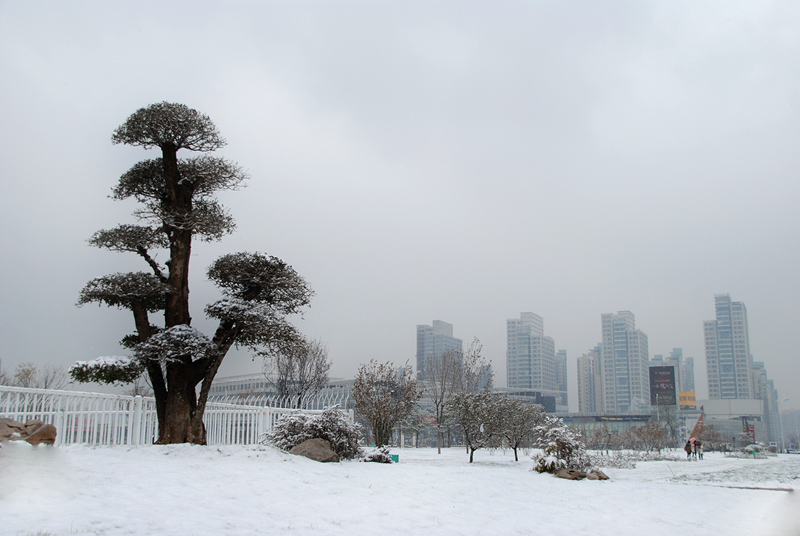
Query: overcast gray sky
x,y
462,161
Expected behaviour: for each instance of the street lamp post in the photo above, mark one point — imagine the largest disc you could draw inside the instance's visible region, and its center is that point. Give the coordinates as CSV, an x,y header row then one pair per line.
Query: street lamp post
x,y
658,411
780,416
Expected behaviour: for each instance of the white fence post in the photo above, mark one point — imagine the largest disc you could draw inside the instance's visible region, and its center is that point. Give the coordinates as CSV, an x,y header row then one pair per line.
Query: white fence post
x,y
136,434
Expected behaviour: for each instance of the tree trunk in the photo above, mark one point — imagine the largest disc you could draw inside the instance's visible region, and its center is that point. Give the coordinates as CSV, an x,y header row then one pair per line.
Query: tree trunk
x,y
180,247
183,423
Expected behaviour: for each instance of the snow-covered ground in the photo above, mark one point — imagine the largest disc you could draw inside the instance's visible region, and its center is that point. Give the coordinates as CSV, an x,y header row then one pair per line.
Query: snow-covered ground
x,y
190,490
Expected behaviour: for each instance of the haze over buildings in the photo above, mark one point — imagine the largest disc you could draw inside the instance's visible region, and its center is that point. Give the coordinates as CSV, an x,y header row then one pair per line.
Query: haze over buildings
x,y
419,160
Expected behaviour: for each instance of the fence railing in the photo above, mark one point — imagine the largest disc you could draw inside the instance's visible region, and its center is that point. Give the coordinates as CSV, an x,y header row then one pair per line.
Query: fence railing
x,y
105,419
317,401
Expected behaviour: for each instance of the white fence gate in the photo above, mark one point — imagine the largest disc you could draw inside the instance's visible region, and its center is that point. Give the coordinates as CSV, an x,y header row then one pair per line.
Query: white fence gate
x,y
104,419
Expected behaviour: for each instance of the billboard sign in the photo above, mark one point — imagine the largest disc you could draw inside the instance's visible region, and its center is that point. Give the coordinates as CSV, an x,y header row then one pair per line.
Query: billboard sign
x,y
687,399
662,386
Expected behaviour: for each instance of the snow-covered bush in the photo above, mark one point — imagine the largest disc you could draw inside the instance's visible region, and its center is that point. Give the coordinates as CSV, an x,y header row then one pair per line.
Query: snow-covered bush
x,y
616,459
562,448
331,425
627,459
378,454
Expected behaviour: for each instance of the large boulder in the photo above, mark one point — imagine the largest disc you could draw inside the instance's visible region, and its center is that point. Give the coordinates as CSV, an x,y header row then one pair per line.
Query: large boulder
x,y
571,474
316,449
33,431
40,433
596,474
11,429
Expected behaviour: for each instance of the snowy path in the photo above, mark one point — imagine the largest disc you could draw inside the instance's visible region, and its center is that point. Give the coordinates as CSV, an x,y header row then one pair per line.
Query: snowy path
x,y
181,489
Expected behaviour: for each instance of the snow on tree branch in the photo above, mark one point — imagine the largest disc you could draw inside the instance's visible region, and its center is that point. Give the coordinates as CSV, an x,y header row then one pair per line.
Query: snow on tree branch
x,y
169,125
129,238
125,290
261,278
107,369
176,343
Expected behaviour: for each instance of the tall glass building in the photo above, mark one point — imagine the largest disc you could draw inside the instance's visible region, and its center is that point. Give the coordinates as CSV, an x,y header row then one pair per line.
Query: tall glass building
x,y
433,341
728,359
625,364
530,355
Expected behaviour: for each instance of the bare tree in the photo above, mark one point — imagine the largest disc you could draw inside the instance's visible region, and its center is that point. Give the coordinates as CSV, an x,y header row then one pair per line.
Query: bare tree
x,y
384,395
443,377
652,435
25,375
5,377
298,371
52,377
139,387
709,435
177,204
518,418
476,373
31,376
477,416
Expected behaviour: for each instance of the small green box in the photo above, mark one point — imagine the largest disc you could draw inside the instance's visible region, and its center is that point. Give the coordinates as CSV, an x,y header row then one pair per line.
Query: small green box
x,y
395,458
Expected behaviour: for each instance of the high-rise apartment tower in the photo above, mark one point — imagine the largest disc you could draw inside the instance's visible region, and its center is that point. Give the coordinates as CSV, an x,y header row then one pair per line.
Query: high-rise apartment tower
x,y
625,362
590,384
530,355
433,341
728,359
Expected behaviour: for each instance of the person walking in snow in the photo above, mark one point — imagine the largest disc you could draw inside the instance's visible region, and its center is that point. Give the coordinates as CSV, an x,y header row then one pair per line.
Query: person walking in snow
x,y
698,445
694,448
688,449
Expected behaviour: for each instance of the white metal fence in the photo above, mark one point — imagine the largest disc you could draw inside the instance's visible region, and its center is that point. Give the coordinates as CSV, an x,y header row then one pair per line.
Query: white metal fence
x,y
318,401
104,419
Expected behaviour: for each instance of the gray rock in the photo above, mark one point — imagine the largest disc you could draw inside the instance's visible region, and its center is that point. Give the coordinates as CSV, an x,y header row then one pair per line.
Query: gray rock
x,y
316,449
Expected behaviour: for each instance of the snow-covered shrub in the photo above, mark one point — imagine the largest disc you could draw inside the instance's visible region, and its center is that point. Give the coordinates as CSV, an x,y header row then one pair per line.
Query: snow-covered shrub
x,y
562,448
615,459
290,430
378,454
331,425
627,459
344,435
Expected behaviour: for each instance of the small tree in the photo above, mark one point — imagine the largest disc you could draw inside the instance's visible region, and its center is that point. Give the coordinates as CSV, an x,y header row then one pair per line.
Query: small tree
x,y
298,371
30,376
477,417
476,373
518,418
651,436
177,198
383,396
443,377
708,434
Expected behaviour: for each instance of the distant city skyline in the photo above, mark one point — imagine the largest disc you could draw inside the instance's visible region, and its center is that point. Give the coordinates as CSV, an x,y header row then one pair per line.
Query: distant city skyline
x,y
422,160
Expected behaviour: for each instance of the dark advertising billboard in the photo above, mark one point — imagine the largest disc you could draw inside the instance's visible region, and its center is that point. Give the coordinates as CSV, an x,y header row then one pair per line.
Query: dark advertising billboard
x,y
662,386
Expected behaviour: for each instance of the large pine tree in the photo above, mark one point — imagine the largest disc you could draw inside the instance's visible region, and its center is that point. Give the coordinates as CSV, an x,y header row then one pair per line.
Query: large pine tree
x,y
177,204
